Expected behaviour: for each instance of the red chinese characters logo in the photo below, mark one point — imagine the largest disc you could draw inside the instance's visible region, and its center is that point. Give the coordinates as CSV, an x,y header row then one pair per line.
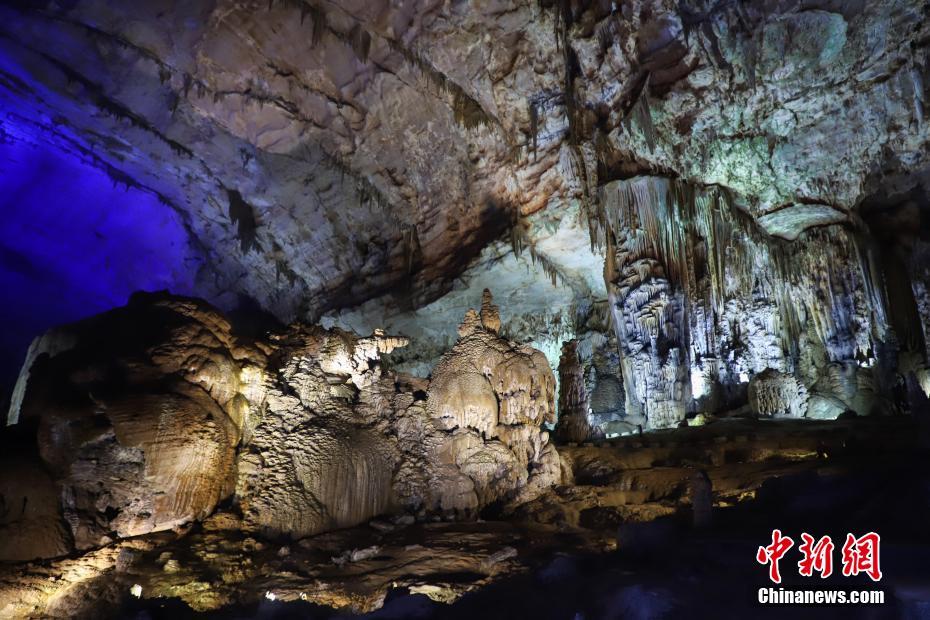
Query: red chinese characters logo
x,y
817,557
859,555
773,553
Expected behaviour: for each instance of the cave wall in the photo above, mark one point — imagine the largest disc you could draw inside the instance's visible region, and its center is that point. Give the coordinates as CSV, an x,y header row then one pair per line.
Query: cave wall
x,y
703,301
296,140
74,243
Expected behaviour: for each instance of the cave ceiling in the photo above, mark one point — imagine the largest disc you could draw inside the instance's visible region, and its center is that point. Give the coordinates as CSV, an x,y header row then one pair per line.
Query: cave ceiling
x,y
377,162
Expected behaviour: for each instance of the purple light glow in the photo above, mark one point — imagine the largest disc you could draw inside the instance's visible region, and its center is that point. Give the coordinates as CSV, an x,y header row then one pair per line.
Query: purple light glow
x,y
72,244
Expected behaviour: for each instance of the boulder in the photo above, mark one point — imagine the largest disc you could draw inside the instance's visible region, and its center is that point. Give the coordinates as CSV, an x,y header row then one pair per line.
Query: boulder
x,y
139,418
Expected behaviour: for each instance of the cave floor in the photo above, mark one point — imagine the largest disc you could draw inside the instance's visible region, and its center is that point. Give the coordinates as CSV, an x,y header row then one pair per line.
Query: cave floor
x,y
618,543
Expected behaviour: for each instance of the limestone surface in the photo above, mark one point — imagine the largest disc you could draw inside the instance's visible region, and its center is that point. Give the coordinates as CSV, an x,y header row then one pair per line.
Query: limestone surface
x,y
139,421
159,411
573,424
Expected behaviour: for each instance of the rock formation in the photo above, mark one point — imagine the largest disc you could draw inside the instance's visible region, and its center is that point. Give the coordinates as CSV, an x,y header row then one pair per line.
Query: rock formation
x,y
493,397
774,394
490,314
720,207
342,441
702,302
158,411
31,523
288,140
139,420
319,458
573,424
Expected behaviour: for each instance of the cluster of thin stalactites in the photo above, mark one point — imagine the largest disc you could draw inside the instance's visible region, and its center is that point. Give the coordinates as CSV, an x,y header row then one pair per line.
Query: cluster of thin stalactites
x,y
713,252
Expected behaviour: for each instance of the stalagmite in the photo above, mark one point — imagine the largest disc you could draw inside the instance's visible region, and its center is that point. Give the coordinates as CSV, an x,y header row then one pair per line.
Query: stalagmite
x,y
573,424
490,314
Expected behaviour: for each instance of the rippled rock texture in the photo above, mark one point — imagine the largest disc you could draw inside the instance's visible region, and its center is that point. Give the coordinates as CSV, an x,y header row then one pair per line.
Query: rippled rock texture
x,y
156,412
139,420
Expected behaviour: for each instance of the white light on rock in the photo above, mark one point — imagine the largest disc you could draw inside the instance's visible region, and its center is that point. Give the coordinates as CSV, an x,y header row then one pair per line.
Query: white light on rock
x,y
698,384
136,590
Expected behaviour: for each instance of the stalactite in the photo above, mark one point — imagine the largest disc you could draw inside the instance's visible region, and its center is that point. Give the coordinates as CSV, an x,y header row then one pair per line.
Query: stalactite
x,y
467,111
534,125
317,16
606,34
360,41
520,241
641,115
679,254
918,87
367,193
243,216
411,245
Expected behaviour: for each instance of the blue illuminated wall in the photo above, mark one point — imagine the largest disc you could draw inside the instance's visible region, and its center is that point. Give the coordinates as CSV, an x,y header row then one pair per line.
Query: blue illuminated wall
x,y
72,244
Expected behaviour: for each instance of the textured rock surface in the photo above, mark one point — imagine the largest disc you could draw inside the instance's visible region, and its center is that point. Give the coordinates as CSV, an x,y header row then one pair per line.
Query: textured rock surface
x,y
752,178
31,523
573,424
341,441
702,301
139,420
628,496
319,458
158,411
494,396
774,394
284,133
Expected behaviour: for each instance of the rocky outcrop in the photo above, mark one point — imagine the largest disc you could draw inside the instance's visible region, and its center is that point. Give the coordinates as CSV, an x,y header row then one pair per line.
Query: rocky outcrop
x,y
573,424
139,420
853,386
158,411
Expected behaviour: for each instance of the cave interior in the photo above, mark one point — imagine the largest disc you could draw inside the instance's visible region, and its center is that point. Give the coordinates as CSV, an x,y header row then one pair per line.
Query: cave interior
x,y
422,309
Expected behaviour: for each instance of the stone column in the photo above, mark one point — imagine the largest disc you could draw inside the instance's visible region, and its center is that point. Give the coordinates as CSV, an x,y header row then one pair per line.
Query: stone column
x,y
573,425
